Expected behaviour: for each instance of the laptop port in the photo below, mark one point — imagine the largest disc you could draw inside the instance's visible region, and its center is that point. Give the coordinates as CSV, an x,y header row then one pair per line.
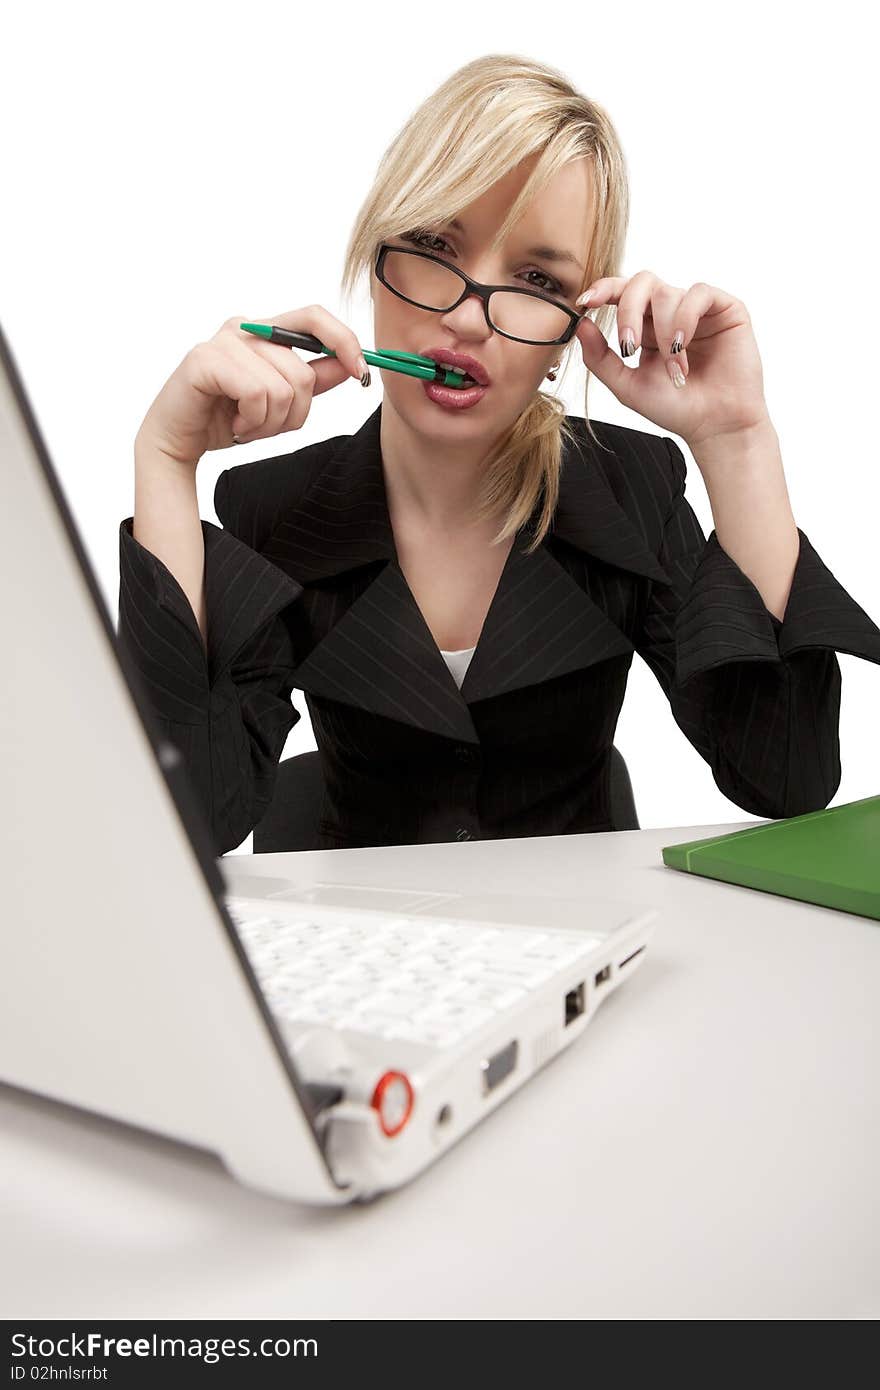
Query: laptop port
x,y
627,959
574,1003
496,1068
603,975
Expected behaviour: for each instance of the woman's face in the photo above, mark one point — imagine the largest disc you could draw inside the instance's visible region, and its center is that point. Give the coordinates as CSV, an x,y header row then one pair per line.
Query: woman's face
x,y
560,217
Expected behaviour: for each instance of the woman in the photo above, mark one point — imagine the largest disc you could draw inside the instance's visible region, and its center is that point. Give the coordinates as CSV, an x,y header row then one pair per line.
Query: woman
x,y
459,587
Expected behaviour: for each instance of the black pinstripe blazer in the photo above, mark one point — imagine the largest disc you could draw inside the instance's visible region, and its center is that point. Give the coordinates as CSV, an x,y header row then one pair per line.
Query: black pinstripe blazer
x,y
304,591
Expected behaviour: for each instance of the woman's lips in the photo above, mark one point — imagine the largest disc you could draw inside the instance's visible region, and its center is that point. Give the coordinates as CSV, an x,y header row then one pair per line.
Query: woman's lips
x,y
454,397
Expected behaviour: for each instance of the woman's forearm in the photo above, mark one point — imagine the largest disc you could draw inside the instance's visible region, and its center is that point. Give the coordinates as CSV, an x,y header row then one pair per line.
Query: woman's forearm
x,y
753,519
167,522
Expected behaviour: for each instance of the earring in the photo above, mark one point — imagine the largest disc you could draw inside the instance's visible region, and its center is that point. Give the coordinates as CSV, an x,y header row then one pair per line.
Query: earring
x,y
551,375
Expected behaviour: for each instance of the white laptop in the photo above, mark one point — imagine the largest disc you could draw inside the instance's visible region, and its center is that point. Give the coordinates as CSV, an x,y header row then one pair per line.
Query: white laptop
x,y
327,1040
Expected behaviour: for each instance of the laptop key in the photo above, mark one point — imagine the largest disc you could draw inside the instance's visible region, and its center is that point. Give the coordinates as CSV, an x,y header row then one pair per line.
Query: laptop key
x,y
431,981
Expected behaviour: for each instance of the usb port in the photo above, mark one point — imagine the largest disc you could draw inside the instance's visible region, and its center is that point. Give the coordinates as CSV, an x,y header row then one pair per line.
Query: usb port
x,y
574,1003
496,1068
603,975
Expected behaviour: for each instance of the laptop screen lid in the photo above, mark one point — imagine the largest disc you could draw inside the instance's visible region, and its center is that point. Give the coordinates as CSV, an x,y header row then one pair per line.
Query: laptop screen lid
x,y
125,989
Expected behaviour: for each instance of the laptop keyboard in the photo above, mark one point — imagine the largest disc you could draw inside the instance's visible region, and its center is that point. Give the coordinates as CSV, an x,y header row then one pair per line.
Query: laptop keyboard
x,y
422,980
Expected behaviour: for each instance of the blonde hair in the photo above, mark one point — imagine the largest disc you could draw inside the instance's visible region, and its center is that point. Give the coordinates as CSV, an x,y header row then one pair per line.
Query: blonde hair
x,y
486,118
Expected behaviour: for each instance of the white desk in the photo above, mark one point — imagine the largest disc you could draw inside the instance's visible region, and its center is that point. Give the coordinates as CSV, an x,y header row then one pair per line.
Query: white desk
x,y
709,1147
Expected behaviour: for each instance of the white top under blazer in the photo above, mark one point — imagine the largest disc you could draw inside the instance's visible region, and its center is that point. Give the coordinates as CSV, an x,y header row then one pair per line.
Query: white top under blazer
x,y
458,662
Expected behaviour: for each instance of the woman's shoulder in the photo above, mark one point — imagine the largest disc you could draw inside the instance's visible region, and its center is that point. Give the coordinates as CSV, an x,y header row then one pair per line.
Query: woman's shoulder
x,y
629,460
251,498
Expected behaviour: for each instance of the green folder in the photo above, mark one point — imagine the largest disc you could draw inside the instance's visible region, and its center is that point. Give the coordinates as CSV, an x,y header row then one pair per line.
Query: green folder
x,y
830,857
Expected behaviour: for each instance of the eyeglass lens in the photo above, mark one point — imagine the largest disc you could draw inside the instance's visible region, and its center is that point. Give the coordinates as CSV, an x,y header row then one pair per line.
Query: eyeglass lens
x,y
433,285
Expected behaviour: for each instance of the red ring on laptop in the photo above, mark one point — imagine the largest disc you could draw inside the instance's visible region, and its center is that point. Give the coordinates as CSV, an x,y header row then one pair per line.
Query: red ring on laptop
x,y
393,1101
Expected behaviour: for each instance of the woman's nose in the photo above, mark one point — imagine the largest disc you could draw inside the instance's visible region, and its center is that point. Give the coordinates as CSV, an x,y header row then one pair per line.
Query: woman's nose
x,y
468,317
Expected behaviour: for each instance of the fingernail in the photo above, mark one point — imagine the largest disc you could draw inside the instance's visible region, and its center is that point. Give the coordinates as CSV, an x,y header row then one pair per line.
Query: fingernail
x,y
628,343
677,342
678,377
584,298
235,439
364,371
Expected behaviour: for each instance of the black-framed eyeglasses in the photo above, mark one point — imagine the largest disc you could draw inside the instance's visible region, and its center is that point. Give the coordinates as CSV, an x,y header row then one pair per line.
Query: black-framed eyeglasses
x,y
526,316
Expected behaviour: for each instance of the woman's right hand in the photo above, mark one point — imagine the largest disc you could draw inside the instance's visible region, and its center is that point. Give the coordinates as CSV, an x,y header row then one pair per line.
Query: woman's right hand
x,y
240,384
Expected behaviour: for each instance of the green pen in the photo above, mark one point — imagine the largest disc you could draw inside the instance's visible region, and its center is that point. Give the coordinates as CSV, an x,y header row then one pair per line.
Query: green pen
x,y
410,364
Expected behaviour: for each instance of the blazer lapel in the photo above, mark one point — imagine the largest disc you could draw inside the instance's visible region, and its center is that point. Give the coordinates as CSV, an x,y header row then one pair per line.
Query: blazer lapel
x,y
541,623
381,656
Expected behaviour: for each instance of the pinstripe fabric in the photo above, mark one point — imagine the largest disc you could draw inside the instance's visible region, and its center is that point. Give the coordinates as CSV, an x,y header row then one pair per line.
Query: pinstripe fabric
x,y
304,591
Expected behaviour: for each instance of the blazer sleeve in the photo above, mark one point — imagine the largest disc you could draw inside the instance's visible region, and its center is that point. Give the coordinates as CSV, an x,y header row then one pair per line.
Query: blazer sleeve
x,y
228,709
758,698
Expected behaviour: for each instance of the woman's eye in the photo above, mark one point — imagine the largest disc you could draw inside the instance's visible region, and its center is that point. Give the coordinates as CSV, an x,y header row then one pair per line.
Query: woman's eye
x,y
552,286
421,238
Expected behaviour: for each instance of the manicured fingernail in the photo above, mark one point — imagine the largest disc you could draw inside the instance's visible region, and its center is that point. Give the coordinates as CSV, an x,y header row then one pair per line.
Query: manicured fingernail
x,y
364,371
677,342
235,439
628,343
678,376
584,298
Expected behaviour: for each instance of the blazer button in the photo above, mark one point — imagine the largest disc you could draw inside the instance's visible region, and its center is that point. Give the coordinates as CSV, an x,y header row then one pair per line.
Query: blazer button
x,y
462,834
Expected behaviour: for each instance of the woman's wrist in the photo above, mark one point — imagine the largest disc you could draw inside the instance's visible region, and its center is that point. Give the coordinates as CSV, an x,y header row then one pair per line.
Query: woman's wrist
x,y
151,457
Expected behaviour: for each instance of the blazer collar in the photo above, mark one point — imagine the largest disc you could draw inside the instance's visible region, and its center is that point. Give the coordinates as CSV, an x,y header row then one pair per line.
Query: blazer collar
x,y
342,521
381,655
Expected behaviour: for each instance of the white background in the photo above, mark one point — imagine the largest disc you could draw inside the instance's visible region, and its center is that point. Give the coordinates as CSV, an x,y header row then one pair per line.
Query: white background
x,y
165,168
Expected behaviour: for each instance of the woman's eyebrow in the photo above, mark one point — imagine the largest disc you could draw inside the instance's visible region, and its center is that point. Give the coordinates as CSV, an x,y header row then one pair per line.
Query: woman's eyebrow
x,y
544,253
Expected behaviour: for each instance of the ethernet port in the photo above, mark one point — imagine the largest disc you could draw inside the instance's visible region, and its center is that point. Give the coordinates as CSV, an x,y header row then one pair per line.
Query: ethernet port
x,y
575,1002
603,975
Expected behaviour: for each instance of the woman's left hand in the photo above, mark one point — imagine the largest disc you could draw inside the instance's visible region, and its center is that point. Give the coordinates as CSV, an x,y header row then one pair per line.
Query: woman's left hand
x,y
719,357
